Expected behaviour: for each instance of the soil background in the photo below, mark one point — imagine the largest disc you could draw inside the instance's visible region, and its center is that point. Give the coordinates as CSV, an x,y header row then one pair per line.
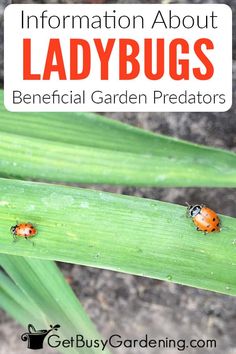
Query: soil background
x,y
134,306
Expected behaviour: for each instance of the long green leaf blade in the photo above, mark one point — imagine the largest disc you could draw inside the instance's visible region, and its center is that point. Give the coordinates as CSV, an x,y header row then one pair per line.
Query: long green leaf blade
x,y
127,234
13,301
42,283
87,148
9,290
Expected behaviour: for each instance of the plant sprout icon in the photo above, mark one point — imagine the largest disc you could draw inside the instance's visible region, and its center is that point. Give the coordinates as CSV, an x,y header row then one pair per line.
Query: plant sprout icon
x,y
36,337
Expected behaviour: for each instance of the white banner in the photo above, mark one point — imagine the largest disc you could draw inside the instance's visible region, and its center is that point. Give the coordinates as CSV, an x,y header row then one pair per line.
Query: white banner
x,y
118,57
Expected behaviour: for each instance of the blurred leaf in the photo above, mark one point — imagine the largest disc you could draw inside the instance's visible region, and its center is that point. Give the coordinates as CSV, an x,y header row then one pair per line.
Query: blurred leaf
x,y
51,300
87,148
13,301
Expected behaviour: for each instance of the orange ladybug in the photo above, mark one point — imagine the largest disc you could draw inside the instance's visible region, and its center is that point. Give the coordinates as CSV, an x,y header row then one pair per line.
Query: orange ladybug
x,y
204,218
26,230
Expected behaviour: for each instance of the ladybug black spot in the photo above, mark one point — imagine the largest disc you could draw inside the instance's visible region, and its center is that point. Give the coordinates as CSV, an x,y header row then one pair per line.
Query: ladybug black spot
x,y
30,231
208,226
205,230
218,224
213,230
214,219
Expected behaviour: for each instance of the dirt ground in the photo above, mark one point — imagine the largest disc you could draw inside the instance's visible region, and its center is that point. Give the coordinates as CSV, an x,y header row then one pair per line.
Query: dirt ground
x,y
132,305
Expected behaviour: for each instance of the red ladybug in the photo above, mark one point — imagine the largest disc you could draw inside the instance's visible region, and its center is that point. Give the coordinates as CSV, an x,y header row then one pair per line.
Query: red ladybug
x,y
26,230
204,218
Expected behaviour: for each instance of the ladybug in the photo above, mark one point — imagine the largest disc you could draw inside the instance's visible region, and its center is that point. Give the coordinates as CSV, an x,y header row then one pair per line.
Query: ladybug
x,y
26,230
204,218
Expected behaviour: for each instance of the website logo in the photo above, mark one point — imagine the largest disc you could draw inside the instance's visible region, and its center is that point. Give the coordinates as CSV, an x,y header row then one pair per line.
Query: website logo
x,y
35,337
38,338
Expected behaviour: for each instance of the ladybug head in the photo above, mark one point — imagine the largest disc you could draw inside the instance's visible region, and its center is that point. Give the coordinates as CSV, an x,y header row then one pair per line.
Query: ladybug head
x,y
13,229
194,210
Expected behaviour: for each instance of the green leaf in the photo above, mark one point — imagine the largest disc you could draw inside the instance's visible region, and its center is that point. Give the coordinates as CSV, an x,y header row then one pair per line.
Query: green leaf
x,y
127,234
51,300
87,148
13,301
